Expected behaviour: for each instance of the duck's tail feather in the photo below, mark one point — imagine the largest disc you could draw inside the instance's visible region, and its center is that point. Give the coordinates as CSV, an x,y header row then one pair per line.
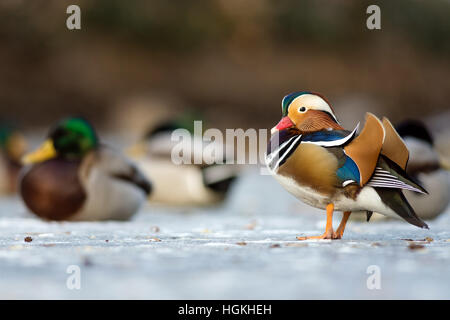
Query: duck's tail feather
x,y
394,199
388,174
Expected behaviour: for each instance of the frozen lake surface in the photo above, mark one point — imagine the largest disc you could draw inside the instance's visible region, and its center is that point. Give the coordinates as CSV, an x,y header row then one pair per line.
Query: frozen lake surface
x,y
245,249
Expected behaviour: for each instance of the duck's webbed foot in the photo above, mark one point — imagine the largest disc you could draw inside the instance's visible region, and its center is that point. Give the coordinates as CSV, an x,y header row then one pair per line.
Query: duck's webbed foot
x,y
329,233
340,230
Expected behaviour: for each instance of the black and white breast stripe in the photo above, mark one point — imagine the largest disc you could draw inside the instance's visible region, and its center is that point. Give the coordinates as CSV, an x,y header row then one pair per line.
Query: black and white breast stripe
x,y
275,159
383,179
279,155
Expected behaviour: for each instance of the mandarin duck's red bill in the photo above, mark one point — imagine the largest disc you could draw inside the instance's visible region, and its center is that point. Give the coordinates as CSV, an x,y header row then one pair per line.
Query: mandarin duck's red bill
x,y
328,167
283,124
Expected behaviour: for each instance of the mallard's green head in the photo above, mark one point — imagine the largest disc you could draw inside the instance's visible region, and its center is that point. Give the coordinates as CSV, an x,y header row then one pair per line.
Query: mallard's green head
x,y
71,138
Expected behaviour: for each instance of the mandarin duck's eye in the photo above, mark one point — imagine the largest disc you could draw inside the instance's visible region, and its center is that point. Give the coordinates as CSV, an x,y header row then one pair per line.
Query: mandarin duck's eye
x,y
302,109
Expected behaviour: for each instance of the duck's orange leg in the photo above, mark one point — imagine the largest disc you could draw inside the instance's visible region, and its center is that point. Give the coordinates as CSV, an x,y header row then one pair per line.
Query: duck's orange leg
x,y
329,234
340,230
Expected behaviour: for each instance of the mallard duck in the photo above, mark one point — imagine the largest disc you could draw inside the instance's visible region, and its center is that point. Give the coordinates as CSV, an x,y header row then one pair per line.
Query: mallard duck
x,y
13,146
180,184
424,166
331,168
72,176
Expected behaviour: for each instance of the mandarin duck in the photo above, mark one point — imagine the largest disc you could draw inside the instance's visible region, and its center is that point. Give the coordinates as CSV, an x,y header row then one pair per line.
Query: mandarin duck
x,y
203,184
319,162
424,165
13,146
73,176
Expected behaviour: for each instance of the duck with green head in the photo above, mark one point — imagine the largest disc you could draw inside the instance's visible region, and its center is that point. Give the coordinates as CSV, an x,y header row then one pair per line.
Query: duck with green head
x,y
72,176
205,184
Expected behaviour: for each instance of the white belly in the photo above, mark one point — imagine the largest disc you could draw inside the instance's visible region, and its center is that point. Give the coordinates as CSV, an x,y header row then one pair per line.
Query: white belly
x,y
367,200
304,193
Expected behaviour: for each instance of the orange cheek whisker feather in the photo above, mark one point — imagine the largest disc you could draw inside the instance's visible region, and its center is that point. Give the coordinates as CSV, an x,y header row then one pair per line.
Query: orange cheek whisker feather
x,y
317,121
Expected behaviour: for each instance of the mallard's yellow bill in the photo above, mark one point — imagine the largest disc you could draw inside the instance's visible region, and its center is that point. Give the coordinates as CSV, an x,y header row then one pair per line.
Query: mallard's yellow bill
x,y
44,152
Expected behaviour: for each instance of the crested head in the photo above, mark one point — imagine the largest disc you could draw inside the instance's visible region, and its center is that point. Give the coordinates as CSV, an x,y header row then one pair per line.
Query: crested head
x,y
308,112
288,99
73,137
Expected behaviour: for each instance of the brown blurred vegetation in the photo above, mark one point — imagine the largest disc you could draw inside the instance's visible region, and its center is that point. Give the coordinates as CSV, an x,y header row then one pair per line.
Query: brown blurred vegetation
x,y
232,60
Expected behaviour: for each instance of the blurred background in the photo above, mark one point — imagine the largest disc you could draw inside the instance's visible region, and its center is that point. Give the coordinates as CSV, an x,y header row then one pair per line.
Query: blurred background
x,y
134,62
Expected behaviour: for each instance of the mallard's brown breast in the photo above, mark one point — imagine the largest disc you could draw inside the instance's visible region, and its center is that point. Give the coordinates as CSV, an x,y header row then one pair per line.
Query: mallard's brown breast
x,y
52,189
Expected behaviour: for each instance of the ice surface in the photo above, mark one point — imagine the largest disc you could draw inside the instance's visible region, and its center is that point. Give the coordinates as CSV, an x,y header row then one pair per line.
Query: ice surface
x,y
245,249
